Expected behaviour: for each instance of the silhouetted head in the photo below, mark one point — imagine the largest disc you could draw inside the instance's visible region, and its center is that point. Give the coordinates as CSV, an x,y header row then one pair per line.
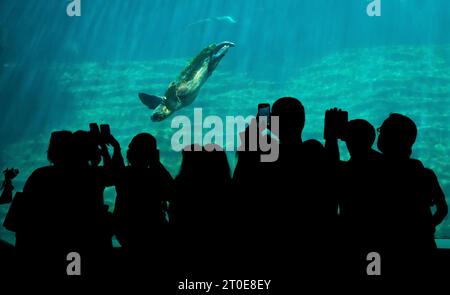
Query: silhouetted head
x,y
291,115
60,148
397,136
218,51
142,150
191,157
207,164
314,150
359,137
216,160
86,149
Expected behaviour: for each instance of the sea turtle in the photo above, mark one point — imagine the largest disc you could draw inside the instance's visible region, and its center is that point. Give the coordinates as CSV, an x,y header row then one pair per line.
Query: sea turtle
x,y
183,91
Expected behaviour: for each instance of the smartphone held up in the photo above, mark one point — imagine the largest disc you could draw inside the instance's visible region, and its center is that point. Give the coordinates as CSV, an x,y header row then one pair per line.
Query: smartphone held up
x,y
336,121
101,134
264,112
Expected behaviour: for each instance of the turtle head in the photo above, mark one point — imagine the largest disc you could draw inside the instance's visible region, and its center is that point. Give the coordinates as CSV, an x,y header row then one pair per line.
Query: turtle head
x,y
218,51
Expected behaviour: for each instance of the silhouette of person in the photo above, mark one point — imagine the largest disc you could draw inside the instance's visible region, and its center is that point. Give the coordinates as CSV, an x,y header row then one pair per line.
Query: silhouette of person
x,y
7,185
96,225
302,169
202,208
359,138
288,202
306,203
248,173
407,224
144,190
91,150
37,216
358,195
61,210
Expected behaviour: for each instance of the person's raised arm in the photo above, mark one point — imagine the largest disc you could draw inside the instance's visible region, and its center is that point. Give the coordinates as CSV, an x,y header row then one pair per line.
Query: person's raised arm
x,y
117,159
331,134
113,167
105,154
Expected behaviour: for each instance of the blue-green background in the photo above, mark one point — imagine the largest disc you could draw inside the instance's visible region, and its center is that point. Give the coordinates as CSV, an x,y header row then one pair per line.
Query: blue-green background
x,y
58,72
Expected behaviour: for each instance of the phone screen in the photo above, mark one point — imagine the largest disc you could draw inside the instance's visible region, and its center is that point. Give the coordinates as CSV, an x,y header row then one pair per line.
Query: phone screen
x,y
264,111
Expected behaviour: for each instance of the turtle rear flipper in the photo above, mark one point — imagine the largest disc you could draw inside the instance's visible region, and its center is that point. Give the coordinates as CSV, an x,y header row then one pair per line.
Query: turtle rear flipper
x,y
152,101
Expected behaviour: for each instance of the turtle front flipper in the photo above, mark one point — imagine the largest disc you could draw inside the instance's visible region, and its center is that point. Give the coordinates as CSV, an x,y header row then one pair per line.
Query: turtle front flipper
x,y
152,101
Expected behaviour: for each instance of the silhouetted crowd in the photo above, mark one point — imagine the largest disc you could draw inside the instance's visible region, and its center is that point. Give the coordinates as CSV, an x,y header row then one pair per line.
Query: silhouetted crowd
x,y
309,212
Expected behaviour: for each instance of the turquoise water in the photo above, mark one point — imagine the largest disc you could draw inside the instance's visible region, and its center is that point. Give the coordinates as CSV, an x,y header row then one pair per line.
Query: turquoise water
x,y
59,72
